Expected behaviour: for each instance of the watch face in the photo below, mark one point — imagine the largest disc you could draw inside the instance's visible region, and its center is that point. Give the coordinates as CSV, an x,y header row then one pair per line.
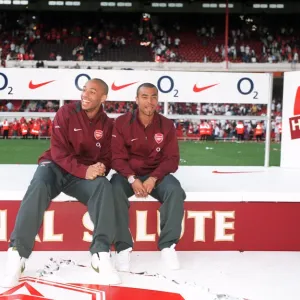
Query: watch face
x,y
131,179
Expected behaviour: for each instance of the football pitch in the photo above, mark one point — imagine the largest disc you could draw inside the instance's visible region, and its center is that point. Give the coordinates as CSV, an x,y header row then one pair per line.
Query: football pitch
x,y
191,153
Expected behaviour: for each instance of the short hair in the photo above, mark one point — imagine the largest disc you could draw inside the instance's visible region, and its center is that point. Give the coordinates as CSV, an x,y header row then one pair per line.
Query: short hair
x,y
146,85
102,83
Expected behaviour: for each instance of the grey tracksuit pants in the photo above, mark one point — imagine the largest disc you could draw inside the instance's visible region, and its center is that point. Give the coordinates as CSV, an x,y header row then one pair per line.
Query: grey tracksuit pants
x,y
47,183
171,196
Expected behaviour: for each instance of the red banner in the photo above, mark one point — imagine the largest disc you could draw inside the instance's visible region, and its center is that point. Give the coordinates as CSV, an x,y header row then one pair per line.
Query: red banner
x,y
206,226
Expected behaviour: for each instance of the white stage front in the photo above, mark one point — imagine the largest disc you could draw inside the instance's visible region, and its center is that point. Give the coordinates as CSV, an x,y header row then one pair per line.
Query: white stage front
x,y
202,184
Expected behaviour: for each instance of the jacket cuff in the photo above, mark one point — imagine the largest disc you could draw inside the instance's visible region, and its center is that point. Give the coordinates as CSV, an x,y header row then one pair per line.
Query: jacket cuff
x,y
81,171
157,175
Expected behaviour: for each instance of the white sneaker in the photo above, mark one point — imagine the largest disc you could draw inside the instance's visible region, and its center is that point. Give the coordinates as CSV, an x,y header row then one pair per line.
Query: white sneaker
x,y
101,263
123,260
170,258
14,268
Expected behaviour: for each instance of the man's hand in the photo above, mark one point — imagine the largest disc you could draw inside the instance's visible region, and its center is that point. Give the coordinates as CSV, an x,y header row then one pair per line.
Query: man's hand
x,y
139,189
149,184
101,167
95,170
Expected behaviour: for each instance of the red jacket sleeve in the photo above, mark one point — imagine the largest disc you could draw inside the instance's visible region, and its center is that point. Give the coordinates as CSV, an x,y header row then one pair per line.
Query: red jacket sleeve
x,y
106,152
170,159
120,155
62,152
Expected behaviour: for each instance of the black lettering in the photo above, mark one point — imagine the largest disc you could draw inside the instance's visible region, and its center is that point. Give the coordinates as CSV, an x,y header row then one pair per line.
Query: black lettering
x,y
240,83
160,81
4,86
77,80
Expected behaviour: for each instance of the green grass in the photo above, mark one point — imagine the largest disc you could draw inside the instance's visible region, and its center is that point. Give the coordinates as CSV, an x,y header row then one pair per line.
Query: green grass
x,y
227,154
191,153
22,151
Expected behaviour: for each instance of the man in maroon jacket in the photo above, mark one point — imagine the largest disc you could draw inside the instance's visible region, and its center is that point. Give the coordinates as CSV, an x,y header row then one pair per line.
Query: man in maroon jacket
x,y
144,153
76,164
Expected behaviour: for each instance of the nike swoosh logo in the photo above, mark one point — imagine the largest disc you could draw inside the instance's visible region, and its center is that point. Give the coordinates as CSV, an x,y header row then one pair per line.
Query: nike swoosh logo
x,y
23,268
35,86
203,88
236,172
119,87
95,269
77,129
134,140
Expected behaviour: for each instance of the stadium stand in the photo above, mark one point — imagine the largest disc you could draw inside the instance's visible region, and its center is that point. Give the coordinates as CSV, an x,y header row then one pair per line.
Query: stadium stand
x,y
128,38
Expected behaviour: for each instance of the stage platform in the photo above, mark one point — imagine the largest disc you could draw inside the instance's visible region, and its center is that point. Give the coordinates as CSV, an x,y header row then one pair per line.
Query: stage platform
x,y
236,209
227,208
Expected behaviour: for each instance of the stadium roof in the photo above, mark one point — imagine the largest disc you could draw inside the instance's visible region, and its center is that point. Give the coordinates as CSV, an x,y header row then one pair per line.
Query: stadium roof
x,y
180,6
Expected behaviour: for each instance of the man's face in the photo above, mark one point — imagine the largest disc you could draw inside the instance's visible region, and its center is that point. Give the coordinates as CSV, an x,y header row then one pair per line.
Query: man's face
x,y
92,96
147,100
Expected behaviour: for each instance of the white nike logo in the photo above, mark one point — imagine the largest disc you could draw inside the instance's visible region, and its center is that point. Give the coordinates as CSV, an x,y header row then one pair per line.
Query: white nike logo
x,y
134,139
57,126
77,129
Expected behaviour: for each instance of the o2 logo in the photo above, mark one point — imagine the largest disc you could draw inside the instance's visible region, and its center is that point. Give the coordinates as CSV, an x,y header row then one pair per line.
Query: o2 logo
x,y
165,84
78,79
245,86
4,84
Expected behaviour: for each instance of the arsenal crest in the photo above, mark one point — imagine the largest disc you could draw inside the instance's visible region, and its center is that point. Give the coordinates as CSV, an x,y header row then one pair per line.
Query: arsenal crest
x,y
98,134
159,137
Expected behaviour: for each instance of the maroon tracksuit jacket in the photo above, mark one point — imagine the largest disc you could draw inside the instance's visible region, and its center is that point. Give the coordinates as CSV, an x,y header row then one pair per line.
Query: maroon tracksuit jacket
x,y
78,142
137,150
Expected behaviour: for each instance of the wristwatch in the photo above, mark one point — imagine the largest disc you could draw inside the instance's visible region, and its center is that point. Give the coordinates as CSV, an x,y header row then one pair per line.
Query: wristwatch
x,y
131,179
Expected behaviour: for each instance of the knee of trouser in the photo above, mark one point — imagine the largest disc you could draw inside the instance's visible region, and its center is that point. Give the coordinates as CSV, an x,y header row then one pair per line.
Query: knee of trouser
x,y
176,192
102,183
38,183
